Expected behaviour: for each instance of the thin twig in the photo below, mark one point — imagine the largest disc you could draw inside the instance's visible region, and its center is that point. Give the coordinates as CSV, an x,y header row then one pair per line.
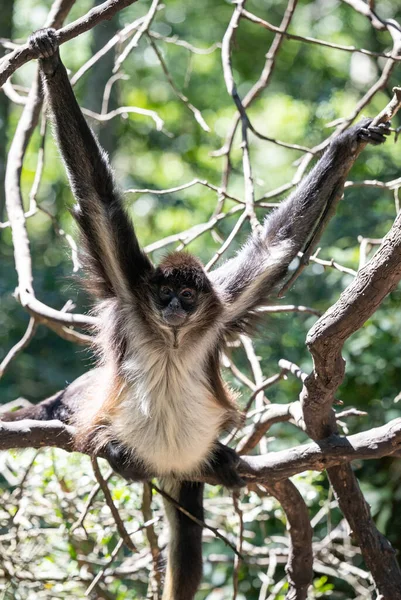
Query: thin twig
x,y
19,346
125,537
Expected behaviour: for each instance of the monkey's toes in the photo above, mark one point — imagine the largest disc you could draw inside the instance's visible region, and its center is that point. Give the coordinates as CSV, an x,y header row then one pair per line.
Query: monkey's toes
x,y
224,465
43,43
229,478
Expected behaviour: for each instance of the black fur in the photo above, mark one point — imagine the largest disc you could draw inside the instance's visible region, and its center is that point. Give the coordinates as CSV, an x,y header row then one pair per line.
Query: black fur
x,y
224,464
61,406
91,180
51,408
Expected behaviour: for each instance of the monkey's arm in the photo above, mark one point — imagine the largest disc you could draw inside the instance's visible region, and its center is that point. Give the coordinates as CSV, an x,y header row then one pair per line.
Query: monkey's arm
x,y
246,280
113,257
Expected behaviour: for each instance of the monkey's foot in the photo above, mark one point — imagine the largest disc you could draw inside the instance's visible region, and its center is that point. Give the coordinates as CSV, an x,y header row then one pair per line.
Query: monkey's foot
x,y
43,43
224,464
373,135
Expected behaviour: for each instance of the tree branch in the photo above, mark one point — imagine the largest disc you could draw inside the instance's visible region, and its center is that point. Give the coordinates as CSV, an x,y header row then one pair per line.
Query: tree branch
x,y
299,566
325,341
271,467
96,15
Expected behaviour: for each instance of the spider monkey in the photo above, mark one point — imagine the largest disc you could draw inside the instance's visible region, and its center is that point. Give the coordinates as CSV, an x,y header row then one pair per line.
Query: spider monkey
x,y
156,403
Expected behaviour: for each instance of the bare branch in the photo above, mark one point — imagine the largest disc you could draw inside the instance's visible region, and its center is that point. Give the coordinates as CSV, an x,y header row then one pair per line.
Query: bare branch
x,y
195,111
96,15
309,40
299,566
124,110
142,29
19,346
274,466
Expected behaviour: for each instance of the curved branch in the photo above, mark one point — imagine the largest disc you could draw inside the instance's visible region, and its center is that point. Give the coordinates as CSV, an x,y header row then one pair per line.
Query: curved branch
x,y
299,567
325,341
22,55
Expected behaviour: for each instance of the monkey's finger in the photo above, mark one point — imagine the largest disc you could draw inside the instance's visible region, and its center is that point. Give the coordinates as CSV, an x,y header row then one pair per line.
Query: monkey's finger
x,y
229,478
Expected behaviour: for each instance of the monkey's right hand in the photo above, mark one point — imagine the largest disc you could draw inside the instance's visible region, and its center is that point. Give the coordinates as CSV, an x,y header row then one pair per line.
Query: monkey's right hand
x,y
123,463
43,43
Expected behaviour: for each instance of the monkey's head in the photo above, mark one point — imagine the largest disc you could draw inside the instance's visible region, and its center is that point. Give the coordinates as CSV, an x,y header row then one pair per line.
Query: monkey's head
x,y
182,291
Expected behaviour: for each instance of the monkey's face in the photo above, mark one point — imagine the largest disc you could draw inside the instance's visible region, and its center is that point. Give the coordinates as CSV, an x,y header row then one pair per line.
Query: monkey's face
x,y
176,302
182,294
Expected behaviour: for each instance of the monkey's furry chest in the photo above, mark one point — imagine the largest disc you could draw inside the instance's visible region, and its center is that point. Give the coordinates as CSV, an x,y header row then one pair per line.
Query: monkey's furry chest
x,y
166,412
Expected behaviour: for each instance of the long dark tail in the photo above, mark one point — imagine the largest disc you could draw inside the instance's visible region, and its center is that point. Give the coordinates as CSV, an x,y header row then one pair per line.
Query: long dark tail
x,y
184,564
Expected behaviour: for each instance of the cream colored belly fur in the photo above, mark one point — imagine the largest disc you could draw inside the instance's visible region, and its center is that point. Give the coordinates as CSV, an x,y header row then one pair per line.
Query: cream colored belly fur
x,y
166,412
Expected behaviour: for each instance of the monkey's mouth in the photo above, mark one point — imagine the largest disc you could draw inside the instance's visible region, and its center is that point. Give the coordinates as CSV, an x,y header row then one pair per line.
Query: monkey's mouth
x,y
174,318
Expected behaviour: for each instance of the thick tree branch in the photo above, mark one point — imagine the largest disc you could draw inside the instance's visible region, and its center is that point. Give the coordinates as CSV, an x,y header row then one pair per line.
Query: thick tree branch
x,y
325,341
36,434
379,555
271,467
299,566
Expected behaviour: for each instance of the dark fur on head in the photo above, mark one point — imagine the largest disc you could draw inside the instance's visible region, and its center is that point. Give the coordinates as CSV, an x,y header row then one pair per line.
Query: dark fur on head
x,y
181,267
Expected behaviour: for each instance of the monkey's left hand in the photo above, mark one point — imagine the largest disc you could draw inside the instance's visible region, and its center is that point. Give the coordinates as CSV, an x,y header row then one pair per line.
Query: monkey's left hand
x,y
224,464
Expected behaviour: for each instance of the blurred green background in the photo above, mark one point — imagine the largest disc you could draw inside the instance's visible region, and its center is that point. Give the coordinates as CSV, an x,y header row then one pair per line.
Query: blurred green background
x,y
311,86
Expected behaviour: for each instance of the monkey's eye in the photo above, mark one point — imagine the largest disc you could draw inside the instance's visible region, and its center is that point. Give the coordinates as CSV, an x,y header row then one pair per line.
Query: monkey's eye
x,y
187,294
166,291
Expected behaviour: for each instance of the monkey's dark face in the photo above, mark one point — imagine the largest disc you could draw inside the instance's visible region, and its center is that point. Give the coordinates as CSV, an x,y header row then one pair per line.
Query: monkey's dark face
x,y
182,293
177,302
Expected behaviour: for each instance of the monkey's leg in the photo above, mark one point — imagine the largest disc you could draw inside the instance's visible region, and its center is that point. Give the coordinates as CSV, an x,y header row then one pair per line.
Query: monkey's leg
x,y
64,405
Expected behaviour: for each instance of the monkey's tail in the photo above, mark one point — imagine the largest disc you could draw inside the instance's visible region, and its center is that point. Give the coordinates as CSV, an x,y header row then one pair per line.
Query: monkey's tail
x,y
184,563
